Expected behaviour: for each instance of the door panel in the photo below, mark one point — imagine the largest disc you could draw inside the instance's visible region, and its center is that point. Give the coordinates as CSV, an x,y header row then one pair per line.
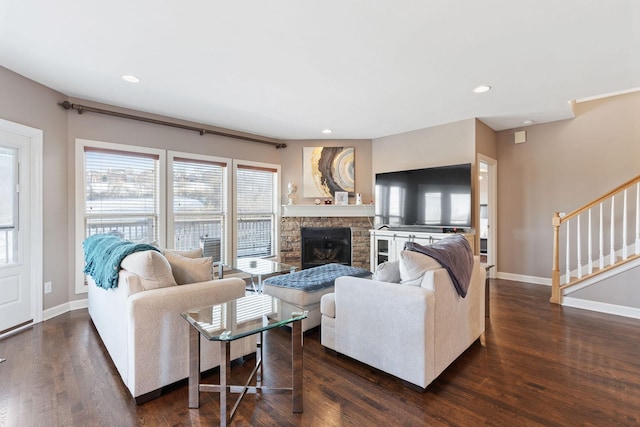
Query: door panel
x,y
12,301
16,260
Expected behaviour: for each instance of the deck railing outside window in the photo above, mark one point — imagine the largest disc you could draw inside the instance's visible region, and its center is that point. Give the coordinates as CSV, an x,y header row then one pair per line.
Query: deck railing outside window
x,y
254,232
255,235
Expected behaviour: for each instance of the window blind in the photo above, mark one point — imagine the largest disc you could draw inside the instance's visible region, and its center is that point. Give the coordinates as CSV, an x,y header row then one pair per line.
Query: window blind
x,y
199,205
121,194
255,210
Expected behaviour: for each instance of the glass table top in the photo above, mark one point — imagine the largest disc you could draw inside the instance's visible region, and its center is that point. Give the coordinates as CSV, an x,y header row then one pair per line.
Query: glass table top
x,y
261,266
240,317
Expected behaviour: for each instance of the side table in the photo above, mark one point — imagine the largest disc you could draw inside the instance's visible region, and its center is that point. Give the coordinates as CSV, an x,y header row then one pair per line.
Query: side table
x,y
238,318
256,268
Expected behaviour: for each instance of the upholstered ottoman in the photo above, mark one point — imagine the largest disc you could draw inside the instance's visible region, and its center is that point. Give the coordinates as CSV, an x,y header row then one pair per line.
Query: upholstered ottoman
x,y
303,289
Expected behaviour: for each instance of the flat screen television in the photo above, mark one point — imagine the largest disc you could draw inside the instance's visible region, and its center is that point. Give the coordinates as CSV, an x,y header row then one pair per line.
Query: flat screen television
x,y
429,198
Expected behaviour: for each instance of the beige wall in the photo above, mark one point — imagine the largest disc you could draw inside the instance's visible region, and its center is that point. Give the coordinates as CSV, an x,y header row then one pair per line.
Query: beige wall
x,y
486,145
291,158
113,129
486,140
449,144
621,290
561,166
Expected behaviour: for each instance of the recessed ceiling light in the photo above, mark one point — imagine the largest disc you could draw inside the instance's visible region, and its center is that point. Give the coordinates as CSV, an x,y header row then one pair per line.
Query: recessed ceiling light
x,y
482,89
327,131
130,78
528,122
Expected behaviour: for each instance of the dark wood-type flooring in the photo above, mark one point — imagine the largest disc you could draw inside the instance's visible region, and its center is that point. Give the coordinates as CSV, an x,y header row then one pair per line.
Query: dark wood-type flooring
x,y
540,364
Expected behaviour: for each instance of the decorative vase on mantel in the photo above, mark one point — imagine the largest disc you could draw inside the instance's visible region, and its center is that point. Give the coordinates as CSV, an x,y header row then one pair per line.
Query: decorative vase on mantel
x,y
291,192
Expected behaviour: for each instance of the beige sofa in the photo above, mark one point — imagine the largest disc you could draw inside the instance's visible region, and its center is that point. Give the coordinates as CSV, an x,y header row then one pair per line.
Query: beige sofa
x,y
412,330
140,325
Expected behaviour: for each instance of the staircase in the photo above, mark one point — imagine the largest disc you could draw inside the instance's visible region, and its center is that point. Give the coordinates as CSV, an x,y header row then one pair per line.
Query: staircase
x,y
596,241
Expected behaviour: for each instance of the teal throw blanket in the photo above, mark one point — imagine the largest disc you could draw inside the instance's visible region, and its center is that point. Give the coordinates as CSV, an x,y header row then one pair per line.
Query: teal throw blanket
x,y
103,254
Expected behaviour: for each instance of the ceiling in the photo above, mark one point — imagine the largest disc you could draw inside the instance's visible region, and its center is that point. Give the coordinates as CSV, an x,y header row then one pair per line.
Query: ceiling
x,y
366,69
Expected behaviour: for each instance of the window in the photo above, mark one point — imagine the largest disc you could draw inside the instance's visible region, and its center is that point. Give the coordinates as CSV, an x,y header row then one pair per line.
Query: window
x,y
8,205
121,194
119,190
198,197
256,209
139,195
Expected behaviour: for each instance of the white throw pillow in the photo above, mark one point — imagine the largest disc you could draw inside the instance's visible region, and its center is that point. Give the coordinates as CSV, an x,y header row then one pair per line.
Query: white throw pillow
x,y
388,271
152,268
190,270
413,265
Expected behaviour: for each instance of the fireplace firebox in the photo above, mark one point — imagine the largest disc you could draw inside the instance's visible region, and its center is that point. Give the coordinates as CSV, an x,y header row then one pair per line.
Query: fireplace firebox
x,y
325,245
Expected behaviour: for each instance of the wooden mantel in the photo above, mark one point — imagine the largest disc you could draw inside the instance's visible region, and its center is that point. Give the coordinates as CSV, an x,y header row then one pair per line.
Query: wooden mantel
x,y
328,210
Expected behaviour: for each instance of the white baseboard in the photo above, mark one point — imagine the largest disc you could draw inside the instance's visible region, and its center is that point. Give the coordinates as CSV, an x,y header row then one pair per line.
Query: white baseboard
x,y
64,308
522,278
602,307
50,313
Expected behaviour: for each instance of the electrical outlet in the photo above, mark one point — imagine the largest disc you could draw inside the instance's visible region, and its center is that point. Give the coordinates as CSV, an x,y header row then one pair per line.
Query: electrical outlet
x,y
47,287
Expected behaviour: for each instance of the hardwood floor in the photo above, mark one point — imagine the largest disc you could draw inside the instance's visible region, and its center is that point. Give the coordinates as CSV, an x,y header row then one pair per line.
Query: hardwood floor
x,y
540,365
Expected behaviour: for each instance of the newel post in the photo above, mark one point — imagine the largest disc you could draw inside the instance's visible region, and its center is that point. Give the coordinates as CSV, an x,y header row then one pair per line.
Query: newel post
x,y
555,272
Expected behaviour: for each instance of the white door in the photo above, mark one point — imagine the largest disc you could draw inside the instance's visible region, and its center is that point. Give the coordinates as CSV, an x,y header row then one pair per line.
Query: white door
x,y
20,226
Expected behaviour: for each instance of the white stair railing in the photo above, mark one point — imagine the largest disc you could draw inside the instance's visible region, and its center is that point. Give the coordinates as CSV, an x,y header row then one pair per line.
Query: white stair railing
x,y
619,248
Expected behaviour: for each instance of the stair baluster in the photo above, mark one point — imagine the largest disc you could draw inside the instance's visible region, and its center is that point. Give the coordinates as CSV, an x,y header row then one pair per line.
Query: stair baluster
x,y
612,243
601,241
625,255
589,254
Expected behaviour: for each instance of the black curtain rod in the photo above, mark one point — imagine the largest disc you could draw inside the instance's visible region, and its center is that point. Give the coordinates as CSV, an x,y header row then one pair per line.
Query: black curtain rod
x,y
82,108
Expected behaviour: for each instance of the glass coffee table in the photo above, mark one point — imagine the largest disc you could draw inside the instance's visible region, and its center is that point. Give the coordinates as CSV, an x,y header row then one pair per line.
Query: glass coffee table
x,y
235,319
258,269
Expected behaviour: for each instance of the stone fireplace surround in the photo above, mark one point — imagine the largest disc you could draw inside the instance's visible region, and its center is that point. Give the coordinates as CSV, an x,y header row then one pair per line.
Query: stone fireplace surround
x,y
290,250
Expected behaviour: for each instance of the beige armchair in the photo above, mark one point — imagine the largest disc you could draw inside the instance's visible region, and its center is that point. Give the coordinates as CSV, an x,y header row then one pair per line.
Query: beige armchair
x,y
410,331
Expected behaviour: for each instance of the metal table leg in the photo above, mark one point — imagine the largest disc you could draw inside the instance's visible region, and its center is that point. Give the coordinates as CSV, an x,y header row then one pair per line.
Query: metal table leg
x,y
194,368
296,366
